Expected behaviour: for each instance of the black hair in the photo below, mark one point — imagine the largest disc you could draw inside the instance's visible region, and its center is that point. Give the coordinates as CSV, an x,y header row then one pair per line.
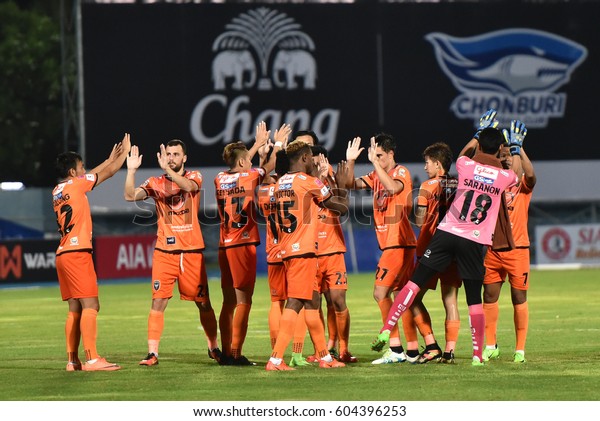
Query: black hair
x,y
490,140
66,161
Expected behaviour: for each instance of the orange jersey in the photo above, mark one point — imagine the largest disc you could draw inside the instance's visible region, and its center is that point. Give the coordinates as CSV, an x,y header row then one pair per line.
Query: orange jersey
x,y
435,194
237,207
330,236
177,213
73,214
297,196
517,199
267,207
391,211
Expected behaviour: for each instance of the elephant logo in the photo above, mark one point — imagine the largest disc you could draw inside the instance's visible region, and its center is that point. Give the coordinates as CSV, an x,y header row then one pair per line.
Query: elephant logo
x,y
294,64
245,53
233,64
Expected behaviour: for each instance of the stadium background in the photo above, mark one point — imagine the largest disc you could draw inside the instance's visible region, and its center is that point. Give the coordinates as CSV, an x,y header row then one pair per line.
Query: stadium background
x,y
147,68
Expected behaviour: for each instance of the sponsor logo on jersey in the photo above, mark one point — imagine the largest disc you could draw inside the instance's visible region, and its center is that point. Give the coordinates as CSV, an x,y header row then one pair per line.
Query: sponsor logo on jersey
x,y
170,240
516,71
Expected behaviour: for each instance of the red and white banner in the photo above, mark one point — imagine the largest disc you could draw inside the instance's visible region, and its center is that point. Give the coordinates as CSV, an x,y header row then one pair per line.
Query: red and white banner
x,y
568,244
124,257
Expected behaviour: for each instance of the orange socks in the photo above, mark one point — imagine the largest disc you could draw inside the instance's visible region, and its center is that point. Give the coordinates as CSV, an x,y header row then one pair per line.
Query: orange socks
x,y
343,328
240,328
274,318
490,310
410,330
521,318
452,327
209,324
299,333
73,335
89,332
156,324
286,329
317,332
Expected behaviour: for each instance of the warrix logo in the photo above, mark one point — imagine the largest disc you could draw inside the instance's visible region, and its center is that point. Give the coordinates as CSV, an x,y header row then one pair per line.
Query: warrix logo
x,y
515,71
260,50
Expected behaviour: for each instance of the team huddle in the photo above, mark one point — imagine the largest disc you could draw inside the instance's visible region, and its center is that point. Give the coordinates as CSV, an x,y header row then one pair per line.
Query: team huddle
x,y
473,233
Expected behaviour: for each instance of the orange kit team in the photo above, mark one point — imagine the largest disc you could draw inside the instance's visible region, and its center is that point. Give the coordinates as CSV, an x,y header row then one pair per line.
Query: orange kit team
x,y
463,234
178,255
74,265
235,193
513,263
434,198
391,184
298,196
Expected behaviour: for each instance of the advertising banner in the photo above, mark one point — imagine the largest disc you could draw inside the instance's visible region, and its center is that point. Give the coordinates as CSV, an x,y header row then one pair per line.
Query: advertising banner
x,y
568,244
423,72
28,261
124,256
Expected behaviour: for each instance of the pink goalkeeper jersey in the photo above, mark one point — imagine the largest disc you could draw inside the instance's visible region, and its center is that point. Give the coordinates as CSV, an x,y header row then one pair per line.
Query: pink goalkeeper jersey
x,y
474,211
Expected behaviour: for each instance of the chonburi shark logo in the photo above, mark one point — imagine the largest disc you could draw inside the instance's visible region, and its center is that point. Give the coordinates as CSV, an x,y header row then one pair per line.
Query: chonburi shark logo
x,y
515,71
245,53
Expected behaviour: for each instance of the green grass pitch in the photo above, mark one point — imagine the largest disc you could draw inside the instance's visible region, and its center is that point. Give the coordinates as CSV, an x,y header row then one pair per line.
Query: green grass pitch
x,y
563,361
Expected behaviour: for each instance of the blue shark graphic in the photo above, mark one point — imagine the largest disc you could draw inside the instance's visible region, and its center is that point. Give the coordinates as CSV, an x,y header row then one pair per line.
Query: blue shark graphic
x,y
509,61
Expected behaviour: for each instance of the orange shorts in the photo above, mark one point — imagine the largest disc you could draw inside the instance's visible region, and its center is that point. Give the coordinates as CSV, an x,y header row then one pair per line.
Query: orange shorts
x,y
76,275
301,275
395,267
187,269
277,284
238,267
332,272
514,263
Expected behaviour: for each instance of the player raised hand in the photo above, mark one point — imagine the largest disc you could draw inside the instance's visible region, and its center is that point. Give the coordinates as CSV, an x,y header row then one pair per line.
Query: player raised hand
x,y
343,175
322,167
515,137
487,119
282,134
372,151
163,159
262,134
354,149
134,159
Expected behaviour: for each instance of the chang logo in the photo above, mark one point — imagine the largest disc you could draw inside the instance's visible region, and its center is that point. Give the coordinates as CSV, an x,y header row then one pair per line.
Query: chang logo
x,y
261,51
515,71
265,42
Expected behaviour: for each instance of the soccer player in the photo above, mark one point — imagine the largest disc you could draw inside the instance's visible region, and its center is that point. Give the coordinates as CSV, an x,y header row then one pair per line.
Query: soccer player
x,y
391,184
235,190
513,263
178,253
433,200
332,275
74,265
463,235
298,196
275,269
